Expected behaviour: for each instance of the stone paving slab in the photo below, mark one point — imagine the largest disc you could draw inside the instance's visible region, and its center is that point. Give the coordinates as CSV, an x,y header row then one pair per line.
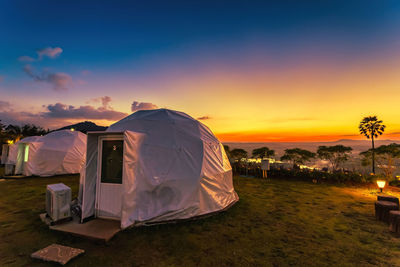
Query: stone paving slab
x,y
57,253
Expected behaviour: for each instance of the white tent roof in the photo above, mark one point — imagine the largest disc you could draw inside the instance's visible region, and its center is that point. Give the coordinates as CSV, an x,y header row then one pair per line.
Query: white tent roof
x,y
60,152
174,168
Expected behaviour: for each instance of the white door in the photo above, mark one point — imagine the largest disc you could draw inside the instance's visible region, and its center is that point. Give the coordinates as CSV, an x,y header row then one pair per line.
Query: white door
x,y
109,175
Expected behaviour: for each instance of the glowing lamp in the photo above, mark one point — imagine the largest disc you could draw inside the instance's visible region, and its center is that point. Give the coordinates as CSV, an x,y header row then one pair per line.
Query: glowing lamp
x,y
381,184
10,142
72,129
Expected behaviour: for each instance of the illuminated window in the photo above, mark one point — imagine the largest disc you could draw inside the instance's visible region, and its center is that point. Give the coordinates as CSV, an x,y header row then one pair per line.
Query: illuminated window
x,y
26,154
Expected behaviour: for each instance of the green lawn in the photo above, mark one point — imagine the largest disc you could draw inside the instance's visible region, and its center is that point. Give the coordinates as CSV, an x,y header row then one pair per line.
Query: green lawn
x,y
275,223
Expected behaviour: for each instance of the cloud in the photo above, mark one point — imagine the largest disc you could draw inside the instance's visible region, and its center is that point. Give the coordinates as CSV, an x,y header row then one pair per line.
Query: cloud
x,y
64,111
85,72
26,59
104,100
9,116
49,52
59,114
59,80
4,105
21,117
142,106
203,118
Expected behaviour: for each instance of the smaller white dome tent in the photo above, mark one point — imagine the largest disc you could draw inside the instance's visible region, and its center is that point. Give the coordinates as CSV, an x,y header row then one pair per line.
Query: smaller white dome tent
x,y
59,152
171,167
13,149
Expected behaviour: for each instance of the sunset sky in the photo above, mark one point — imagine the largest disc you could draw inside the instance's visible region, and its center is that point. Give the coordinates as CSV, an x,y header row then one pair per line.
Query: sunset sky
x,y
250,70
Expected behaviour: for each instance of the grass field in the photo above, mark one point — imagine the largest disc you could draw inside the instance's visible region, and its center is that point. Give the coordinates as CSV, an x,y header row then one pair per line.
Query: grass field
x,y
275,223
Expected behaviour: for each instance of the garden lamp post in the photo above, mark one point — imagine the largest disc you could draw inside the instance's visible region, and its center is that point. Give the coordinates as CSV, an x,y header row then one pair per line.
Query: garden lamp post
x,y
381,184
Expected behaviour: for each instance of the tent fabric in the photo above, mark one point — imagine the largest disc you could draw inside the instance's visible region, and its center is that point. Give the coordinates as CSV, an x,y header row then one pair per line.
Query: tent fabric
x,y
173,168
61,152
4,153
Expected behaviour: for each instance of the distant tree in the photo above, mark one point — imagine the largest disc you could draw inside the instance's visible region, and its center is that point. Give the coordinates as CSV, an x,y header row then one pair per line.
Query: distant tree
x,y
297,156
263,152
238,153
16,132
385,156
371,128
33,130
2,133
334,154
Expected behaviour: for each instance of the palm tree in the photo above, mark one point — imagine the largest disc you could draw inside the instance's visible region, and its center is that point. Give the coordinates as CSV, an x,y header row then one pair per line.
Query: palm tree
x,y
371,127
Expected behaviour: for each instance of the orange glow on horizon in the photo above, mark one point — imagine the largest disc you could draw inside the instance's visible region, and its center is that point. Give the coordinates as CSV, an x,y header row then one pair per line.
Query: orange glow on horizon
x,y
289,137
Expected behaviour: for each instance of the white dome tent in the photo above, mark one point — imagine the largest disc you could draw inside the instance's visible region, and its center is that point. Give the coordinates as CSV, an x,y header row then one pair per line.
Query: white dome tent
x,y
13,149
155,166
59,152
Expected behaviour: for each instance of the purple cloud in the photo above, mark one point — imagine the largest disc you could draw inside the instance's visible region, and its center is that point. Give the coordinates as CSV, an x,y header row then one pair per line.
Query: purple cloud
x,y
64,111
59,80
4,105
59,114
142,106
85,72
26,59
104,100
49,52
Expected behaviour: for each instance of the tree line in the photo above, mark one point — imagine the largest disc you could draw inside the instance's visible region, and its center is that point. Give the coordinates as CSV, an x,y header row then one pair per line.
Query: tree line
x,y
370,127
13,133
296,156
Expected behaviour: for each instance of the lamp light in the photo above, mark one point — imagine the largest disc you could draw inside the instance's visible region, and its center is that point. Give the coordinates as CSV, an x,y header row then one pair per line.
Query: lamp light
x,y
72,129
381,184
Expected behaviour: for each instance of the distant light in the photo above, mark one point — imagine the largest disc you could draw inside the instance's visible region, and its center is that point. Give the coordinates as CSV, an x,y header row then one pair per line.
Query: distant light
x,y
381,184
72,129
10,142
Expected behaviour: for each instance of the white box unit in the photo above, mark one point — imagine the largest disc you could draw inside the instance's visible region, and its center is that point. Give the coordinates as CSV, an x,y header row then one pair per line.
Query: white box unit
x,y
58,201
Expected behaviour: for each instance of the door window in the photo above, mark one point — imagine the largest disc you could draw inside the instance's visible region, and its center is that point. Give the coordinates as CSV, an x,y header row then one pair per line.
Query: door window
x,y
111,163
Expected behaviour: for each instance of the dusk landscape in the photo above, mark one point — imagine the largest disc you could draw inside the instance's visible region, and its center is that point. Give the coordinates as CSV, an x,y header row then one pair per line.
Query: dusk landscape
x,y
226,133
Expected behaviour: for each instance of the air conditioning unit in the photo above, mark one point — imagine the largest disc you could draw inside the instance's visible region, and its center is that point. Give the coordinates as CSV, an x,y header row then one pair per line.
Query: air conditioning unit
x,y
58,201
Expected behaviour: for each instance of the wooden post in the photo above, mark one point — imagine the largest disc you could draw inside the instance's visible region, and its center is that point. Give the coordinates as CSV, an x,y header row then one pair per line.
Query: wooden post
x,y
388,198
383,208
394,220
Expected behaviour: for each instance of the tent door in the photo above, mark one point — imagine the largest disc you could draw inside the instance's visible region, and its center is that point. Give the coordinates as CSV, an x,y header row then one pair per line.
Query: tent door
x,y
109,175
